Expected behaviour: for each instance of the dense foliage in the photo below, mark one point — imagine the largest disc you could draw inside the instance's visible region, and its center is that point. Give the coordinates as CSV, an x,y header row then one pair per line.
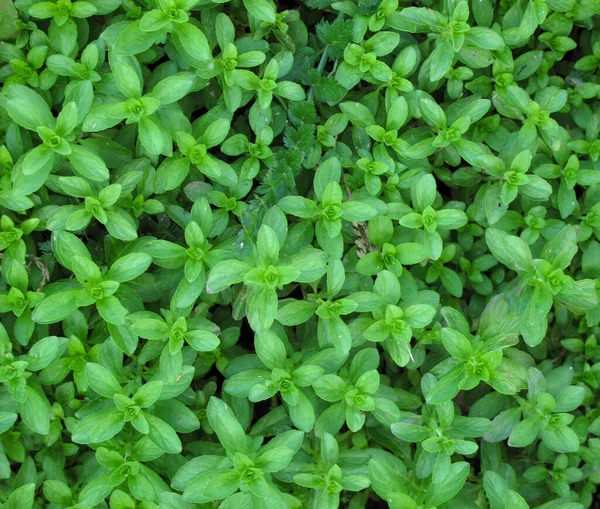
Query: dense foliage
x,y
299,255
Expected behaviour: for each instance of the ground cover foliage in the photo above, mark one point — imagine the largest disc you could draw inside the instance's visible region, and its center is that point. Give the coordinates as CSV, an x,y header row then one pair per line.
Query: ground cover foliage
x,y
299,255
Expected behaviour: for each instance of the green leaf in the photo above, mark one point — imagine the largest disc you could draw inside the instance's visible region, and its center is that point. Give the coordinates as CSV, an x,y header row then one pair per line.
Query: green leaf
x,y
7,419
226,274
357,211
102,380
22,497
35,412
435,117
150,328
441,59
173,88
40,160
88,164
270,349
458,346
119,227
163,435
227,427
56,307
330,388
202,341
524,432
509,250
66,247
561,248
295,313
111,310
438,493
262,10
129,267
133,41
358,114
447,387
8,15
419,315
192,44
28,109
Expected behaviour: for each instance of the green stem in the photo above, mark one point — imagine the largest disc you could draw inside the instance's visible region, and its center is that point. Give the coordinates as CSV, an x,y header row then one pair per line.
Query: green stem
x,y
323,60
320,68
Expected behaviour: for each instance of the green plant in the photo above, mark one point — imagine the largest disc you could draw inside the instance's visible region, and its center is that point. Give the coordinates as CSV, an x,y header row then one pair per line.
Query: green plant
x,y
311,254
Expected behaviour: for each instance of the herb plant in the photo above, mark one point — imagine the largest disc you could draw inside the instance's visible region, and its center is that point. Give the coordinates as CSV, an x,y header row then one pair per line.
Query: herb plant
x,y
310,254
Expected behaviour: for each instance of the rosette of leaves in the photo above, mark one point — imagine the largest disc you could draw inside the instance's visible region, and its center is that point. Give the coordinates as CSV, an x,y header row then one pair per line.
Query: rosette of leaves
x,y
390,480
176,331
454,37
264,20
12,240
329,208
480,357
24,68
262,275
393,321
170,18
545,411
369,17
516,103
449,137
387,136
19,300
389,256
329,310
256,153
353,395
536,222
98,204
268,87
426,220
440,433
91,286
62,12
543,280
227,64
24,393
194,153
197,258
557,477
571,174
513,182
242,472
141,109
329,477
361,60
589,146
373,170
74,359
27,108
116,471
440,269
328,132
474,272
106,421
92,57
287,377
403,67
585,355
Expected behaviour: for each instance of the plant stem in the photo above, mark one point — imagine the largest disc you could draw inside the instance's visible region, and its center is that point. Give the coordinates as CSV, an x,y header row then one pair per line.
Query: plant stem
x,y
320,68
